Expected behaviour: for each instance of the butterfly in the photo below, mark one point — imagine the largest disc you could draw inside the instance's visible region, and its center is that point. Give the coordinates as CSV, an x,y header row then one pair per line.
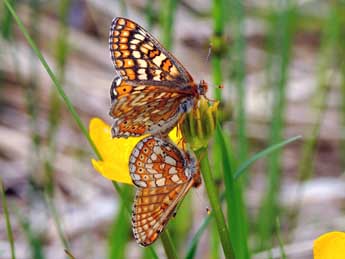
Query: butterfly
x,y
152,90
163,174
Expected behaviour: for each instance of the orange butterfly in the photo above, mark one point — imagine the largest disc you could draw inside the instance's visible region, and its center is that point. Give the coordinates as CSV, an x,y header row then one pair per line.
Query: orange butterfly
x,y
163,174
152,90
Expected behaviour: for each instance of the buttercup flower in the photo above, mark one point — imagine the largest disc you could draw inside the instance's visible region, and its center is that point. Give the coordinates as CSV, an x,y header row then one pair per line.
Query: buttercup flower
x,y
115,152
330,246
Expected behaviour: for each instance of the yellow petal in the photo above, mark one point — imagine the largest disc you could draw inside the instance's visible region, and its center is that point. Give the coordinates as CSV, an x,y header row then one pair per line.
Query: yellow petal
x,y
115,152
108,171
330,246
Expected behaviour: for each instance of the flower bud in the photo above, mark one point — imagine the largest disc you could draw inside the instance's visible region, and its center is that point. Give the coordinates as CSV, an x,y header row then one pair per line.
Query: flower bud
x,y
199,125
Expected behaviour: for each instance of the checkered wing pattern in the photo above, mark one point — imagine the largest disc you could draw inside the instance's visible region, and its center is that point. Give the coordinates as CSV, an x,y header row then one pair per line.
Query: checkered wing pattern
x,y
141,59
163,175
152,90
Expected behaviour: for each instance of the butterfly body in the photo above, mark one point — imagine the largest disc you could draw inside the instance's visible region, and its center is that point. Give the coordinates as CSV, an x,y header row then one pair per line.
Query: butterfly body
x,y
152,90
163,174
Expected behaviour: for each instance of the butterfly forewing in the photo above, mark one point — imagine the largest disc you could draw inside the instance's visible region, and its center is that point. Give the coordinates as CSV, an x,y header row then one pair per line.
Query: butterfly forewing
x,y
164,174
152,90
139,57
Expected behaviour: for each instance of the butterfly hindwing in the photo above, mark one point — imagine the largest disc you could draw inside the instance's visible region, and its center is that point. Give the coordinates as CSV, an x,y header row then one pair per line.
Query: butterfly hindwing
x,y
163,174
152,209
155,162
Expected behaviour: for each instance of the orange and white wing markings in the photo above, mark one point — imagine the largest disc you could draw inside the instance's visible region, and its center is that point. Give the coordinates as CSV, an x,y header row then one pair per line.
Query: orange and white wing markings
x,y
163,174
152,89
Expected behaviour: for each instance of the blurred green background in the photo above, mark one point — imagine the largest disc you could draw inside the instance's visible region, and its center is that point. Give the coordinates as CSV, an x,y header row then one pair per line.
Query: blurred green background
x,y
282,67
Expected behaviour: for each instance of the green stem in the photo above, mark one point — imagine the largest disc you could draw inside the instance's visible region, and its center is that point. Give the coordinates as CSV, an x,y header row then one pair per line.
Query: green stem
x,y
168,245
168,15
7,219
215,203
217,45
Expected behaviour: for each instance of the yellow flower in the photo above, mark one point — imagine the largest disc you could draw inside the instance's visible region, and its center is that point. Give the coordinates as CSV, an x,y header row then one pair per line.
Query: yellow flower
x,y
330,246
115,152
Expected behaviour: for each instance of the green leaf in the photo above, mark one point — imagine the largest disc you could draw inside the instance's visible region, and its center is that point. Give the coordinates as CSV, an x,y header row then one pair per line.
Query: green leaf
x,y
242,168
195,240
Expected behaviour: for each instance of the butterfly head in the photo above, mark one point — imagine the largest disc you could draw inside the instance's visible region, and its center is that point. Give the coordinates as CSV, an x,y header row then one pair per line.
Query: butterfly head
x,y
202,88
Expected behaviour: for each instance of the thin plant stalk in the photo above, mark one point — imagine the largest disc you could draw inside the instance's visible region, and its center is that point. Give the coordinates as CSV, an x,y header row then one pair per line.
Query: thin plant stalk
x,y
328,58
168,245
167,21
215,203
328,54
238,72
217,49
116,242
236,209
56,220
75,114
282,33
8,220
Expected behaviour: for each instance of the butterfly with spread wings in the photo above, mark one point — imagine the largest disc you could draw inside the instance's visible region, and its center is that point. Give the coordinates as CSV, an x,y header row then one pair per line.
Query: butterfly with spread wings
x,y
152,90
163,174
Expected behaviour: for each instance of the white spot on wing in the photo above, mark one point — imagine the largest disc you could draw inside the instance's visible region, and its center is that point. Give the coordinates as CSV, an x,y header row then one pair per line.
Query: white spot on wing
x,y
135,152
172,170
139,36
160,182
157,150
169,160
135,177
141,183
141,63
135,41
159,59
152,171
132,168
175,178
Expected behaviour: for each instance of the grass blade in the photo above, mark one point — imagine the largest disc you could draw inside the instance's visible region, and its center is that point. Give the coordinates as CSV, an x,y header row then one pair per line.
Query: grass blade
x,y
236,214
7,219
280,241
283,27
243,167
195,240
116,241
